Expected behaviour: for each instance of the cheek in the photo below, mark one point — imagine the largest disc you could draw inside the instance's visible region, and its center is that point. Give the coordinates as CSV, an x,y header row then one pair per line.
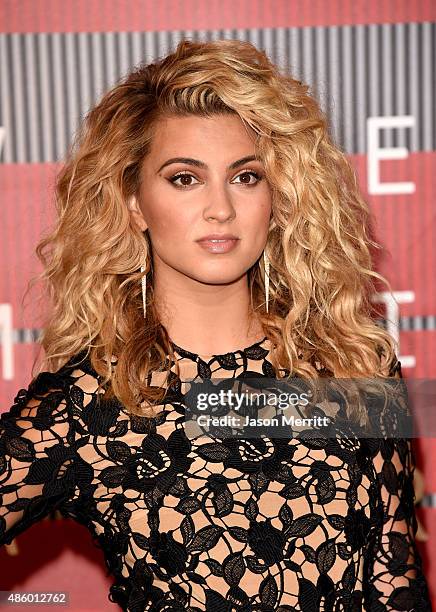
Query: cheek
x,y
167,222
257,215
263,198
159,222
158,211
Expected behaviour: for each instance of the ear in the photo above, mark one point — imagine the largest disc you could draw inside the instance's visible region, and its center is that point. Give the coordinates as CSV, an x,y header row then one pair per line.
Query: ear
x,y
136,213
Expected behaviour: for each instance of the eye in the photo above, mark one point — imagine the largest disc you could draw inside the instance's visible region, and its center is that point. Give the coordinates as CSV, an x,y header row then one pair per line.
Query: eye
x,y
246,176
185,177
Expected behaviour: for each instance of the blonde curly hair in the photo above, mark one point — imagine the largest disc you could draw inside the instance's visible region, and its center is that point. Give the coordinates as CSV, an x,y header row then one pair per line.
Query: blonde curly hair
x,y
321,273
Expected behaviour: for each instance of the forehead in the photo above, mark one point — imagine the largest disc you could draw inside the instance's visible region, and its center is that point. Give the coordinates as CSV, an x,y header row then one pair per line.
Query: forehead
x,y
194,134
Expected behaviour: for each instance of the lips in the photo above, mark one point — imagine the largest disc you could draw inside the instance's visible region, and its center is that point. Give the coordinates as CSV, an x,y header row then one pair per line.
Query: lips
x,y
217,237
220,244
217,241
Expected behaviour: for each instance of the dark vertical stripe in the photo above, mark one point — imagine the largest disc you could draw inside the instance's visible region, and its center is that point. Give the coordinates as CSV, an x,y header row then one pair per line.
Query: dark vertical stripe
x,y
261,39
11,130
2,119
355,68
367,75
143,48
40,127
67,108
103,62
420,119
287,51
386,111
130,49
433,89
155,47
327,102
169,41
380,83
330,85
313,43
24,120
290,38
117,56
90,59
247,34
51,88
300,52
407,80
274,45
76,67
393,64
395,134
341,117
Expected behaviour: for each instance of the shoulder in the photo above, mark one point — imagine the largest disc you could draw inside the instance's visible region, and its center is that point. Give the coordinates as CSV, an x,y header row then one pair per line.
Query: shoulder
x,y
80,379
45,405
58,387
76,367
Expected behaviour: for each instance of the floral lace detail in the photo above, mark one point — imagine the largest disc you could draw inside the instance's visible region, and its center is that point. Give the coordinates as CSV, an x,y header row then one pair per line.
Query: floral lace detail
x,y
230,525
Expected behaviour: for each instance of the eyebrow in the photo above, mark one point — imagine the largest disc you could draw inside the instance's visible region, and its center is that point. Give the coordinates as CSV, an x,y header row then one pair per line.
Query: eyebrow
x,y
199,164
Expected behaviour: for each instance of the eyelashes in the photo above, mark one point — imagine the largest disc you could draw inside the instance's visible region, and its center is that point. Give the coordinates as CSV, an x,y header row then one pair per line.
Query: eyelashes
x,y
185,173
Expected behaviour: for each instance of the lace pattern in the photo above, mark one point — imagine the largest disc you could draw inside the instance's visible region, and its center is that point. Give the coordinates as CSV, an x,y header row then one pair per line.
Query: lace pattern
x,y
228,525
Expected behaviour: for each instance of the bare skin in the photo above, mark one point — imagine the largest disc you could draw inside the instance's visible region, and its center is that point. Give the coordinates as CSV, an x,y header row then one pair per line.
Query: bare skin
x,y
203,298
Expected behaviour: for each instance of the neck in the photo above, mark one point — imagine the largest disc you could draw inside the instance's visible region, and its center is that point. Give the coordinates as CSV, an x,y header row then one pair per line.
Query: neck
x,y
206,318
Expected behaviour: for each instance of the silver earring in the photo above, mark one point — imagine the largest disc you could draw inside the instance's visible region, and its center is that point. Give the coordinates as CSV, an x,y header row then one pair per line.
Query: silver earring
x,y
144,288
266,266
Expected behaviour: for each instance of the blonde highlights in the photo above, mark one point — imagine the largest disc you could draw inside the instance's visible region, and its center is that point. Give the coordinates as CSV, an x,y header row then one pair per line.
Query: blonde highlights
x,y
321,272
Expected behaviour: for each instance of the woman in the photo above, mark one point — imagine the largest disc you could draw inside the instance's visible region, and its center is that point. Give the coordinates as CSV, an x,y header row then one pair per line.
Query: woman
x,y
208,227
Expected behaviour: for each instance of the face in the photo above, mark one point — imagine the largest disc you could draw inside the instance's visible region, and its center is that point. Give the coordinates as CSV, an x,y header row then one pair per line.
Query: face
x,y
200,178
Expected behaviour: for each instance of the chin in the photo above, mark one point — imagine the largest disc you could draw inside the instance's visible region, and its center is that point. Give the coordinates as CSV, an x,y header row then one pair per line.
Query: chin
x,y
218,277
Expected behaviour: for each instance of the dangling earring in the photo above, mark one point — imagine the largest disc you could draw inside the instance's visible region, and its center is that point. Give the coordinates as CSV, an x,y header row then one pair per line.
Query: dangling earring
x,y
144,288
266,266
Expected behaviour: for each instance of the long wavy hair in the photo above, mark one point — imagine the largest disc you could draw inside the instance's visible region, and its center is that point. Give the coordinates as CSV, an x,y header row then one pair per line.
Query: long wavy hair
x,y
319,244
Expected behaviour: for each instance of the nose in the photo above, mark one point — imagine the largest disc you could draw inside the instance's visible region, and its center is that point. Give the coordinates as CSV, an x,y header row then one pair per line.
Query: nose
x,y
220,206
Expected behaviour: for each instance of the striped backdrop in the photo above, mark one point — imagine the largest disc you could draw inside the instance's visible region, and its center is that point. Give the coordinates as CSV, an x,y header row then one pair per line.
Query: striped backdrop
x,y
362,59
50,80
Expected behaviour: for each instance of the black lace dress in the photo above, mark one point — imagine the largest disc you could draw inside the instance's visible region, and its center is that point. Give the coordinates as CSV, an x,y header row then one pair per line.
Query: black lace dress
x,y
229,525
